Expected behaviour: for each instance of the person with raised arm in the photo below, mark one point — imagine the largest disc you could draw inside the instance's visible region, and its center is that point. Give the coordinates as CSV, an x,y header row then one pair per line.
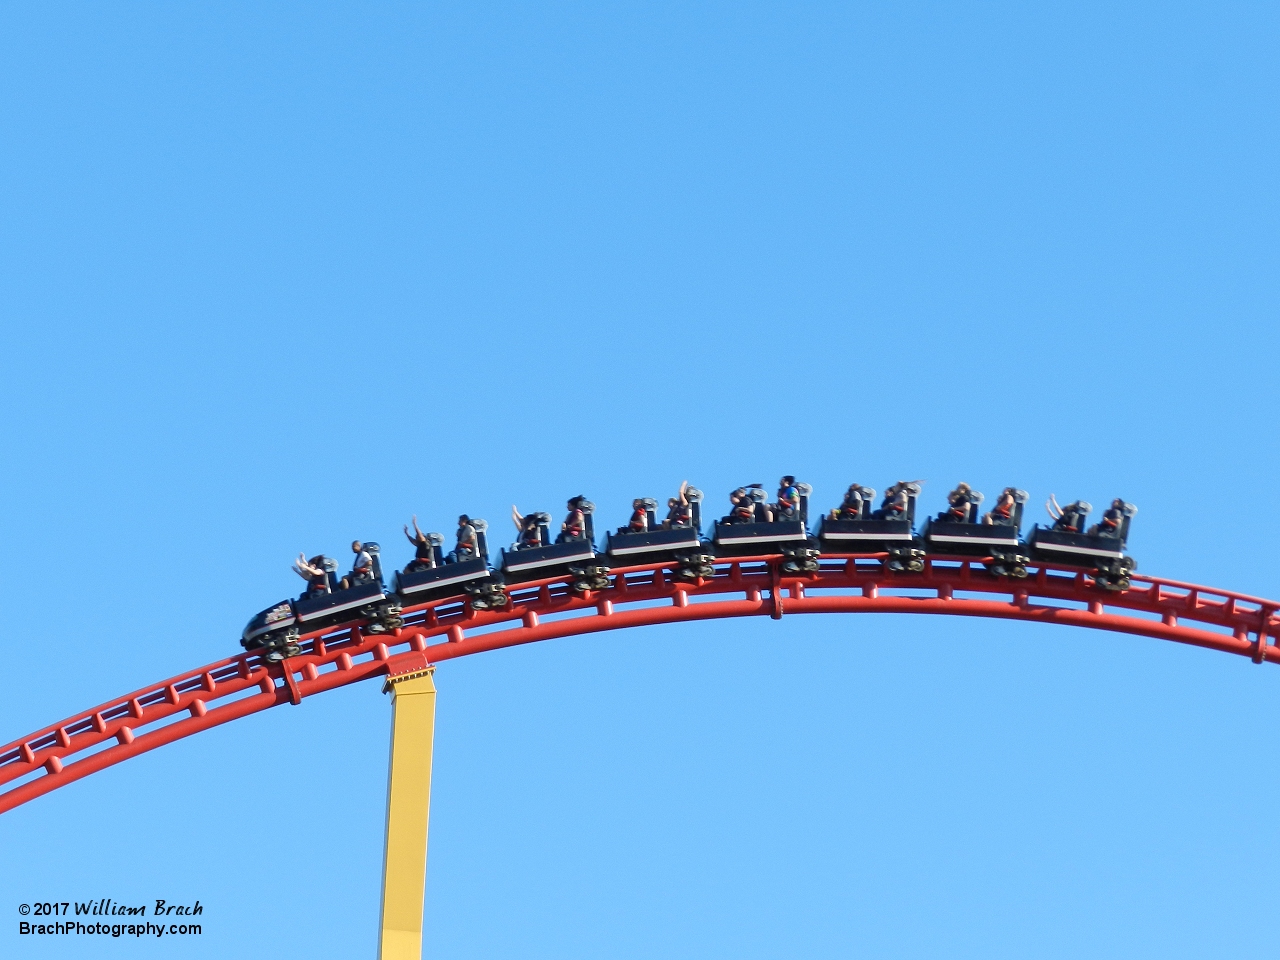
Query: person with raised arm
x,y
679,512
313,572
1068,518
424,553
530,533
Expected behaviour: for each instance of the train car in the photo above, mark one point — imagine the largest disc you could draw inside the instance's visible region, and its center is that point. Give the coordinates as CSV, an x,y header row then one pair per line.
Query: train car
x,y
656,544
277,628
577,558
999,539
1104,552
869,534
737,537
445,578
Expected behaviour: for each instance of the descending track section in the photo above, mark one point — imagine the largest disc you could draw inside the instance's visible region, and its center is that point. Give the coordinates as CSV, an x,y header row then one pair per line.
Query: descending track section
x,y
636,596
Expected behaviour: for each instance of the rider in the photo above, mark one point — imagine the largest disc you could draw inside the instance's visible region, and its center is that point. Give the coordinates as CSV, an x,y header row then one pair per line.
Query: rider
x,y
788,505
1112,518
1002,512
424,554
314,573
361,567
959,500
530,531
1067,519
575,524
851,507
639,522
679,513
744,505
468,544
895,503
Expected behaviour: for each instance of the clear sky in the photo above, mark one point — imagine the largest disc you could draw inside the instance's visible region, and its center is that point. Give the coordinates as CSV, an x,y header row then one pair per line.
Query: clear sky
x,y
275,276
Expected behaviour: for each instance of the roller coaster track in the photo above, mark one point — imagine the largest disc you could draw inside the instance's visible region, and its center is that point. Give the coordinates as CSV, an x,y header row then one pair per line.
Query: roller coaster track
x,y
637,596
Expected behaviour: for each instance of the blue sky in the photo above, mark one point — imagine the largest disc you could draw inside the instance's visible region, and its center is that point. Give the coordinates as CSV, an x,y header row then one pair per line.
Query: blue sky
x,y
277,276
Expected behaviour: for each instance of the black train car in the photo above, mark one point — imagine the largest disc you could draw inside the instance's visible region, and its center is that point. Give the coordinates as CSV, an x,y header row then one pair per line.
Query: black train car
x,y
679,542
444,578
755,536
874,534
576,557
1101,548
277,628
998,539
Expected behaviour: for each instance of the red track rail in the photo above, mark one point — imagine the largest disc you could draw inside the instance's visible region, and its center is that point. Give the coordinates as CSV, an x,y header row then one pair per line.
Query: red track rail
x,y
639,596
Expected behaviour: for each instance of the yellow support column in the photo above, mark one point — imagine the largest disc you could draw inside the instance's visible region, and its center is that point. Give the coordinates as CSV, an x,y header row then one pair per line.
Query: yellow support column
x,y
404,872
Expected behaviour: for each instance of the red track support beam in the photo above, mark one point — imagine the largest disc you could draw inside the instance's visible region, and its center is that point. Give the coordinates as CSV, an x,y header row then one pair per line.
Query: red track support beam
x,y
233,688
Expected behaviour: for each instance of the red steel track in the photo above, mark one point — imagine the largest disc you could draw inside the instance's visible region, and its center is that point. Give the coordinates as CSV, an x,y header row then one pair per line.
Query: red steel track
x,y
638,596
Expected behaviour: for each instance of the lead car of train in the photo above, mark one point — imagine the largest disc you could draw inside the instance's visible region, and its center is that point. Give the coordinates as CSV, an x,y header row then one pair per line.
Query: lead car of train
x,y
753,528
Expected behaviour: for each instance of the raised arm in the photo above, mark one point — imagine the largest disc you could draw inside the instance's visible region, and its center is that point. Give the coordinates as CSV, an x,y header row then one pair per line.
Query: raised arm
x,y
516,518
684,486
417,533
1051,505
904,488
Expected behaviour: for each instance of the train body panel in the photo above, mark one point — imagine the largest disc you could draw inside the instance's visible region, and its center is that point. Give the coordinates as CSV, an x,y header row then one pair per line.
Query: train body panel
x,y
324,605
863,536
534,563
651,545
748,539
973,539
279,617
441,580
1079,549
314,611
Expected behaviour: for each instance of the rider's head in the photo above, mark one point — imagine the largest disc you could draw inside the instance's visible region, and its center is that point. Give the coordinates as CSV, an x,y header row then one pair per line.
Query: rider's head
x,y
356,546
788,481
463,520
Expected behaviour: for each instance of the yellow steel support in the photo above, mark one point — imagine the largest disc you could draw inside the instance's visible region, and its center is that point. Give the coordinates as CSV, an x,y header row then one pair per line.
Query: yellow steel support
x,y
404,873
